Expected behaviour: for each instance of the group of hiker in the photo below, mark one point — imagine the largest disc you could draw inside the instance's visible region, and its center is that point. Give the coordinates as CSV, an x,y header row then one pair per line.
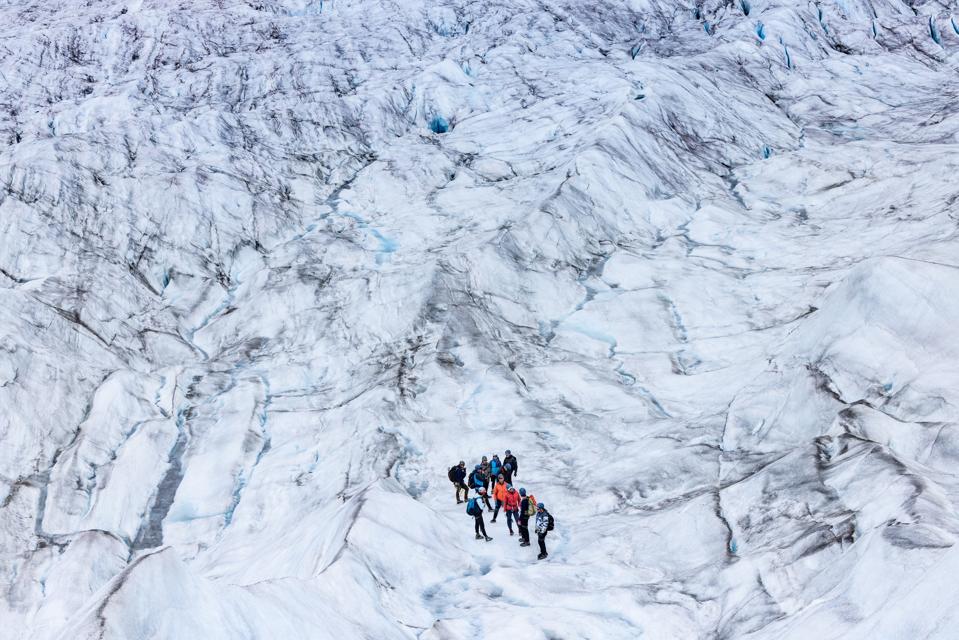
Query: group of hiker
x,y
518,506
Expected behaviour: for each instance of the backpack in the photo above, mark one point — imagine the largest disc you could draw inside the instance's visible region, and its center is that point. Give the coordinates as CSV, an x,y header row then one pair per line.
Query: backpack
x,y
531,507
472,508
449,474
549,524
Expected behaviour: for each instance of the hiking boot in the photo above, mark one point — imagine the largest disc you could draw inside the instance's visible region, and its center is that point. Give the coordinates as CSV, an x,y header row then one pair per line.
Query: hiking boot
x,y
478,536
459,502
488,538
493,520
511,533
524,544
541,556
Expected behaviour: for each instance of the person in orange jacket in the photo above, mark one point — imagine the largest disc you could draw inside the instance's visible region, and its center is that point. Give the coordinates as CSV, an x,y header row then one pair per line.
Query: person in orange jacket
x,y
511,507
499,496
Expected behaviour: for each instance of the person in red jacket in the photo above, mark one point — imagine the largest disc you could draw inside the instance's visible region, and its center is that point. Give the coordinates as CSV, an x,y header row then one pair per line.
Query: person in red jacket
x,y
511,507
499,496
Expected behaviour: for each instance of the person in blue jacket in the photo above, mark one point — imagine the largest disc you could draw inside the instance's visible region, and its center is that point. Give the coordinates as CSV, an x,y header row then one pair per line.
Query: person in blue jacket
x,y
478,480
495,466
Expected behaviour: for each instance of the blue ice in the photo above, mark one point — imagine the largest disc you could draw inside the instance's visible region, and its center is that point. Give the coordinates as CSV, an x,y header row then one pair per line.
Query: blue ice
x,y
934,31
387,244
439,124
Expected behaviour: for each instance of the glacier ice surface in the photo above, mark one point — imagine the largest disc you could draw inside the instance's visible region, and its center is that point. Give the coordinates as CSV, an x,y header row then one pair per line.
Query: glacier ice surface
x,y
269,268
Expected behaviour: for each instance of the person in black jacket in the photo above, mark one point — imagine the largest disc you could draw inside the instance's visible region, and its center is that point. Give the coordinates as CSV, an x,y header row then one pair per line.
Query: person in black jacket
x,y
457,476
524,518
510,459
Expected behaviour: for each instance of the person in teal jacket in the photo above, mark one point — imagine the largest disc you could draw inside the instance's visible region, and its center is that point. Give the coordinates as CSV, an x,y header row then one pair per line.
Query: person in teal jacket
x,y
495,466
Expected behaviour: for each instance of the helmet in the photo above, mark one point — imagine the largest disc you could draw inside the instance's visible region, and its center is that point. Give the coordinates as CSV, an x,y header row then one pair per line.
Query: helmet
x,y
541,505
522,491
508,452
462,464
508,467
480,489
477,468
509,487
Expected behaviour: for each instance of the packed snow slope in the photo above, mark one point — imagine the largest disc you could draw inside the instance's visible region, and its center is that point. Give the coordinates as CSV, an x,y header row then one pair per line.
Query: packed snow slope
x,y
269,267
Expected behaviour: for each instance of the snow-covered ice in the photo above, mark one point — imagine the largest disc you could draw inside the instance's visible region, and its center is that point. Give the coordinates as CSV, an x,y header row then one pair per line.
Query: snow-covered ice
x,y
269,268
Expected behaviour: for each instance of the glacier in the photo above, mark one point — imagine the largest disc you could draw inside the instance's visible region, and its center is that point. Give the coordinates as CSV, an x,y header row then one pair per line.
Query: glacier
x,y
269,267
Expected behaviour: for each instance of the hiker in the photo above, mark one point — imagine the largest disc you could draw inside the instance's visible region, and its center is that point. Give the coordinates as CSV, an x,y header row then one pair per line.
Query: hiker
x,y
495,466
527,509
457,475
507,473
544,524
484,464
511,507
474,509
499,495
510,460
477,481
